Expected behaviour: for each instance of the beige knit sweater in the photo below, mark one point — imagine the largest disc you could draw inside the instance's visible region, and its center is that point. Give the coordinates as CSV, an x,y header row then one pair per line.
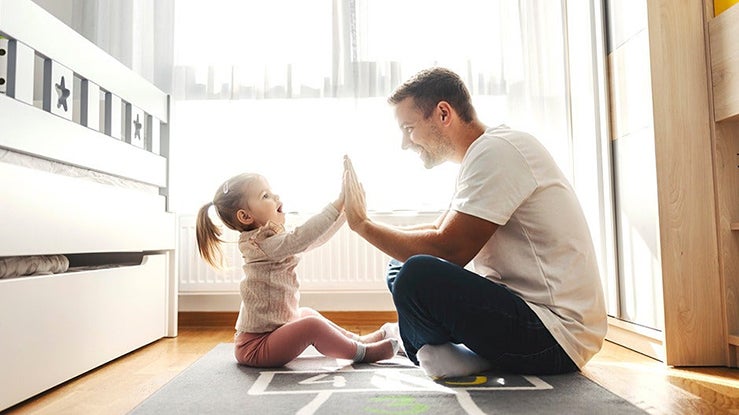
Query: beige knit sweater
x,y
269,289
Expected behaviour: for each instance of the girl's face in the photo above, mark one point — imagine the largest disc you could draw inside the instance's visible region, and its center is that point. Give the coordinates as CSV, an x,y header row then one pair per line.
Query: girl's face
x,y
262,205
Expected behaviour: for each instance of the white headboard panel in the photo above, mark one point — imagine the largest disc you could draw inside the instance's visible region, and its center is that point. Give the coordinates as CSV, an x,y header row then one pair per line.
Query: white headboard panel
x,y
42,32
71,102
55,138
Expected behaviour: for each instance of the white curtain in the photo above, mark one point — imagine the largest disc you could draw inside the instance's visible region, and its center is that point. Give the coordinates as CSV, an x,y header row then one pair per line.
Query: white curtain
x,y
286,87
139,33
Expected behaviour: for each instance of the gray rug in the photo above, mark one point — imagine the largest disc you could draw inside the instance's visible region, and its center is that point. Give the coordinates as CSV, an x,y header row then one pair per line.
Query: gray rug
x,y
313,384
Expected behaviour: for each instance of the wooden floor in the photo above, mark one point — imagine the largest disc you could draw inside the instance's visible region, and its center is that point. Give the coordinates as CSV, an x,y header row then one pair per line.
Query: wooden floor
x,y
119,386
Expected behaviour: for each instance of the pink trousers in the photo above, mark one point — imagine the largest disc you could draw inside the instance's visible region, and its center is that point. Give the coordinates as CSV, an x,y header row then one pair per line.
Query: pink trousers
x,y
276,348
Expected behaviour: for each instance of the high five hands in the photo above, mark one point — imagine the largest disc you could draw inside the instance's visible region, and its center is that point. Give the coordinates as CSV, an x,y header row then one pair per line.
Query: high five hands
x,y
355,204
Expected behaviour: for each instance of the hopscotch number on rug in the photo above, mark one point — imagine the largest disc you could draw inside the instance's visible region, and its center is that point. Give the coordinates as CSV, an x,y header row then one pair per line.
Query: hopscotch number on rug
x,y
347,380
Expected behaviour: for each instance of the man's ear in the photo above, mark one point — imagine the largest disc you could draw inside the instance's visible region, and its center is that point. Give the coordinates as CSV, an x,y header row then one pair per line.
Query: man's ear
x,y
244,217
445,112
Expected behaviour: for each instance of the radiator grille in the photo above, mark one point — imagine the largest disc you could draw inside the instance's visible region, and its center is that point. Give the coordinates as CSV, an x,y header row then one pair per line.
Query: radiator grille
x,y
345,263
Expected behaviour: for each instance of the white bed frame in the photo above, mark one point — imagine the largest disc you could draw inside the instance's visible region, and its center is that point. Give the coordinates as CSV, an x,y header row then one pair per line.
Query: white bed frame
x,y
56,327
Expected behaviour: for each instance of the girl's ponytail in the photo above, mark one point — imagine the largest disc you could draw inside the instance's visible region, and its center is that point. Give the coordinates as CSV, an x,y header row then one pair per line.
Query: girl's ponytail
x,y
208,236
227,201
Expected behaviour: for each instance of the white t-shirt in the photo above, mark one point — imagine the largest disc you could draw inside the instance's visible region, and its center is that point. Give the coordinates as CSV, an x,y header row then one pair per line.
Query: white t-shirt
x,y
542,249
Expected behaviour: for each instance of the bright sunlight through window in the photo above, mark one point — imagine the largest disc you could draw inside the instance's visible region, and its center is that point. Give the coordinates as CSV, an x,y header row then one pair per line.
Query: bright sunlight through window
x,y
287,87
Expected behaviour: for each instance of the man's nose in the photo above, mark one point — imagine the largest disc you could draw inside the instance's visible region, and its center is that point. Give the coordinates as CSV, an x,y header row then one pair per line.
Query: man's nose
x,y
405,143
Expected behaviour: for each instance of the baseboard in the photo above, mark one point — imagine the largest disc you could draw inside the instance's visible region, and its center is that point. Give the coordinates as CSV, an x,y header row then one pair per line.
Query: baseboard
x,y
361,318
647,341
191,319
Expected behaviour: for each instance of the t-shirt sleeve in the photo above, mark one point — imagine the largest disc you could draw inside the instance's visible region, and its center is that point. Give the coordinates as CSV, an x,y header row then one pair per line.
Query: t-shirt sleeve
x,y
494,180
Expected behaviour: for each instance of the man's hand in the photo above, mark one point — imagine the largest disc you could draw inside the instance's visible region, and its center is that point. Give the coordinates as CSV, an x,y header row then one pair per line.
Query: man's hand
x,y
355,205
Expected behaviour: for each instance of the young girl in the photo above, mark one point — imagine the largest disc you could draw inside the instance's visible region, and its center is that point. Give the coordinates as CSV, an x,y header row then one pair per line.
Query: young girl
x,y
272,329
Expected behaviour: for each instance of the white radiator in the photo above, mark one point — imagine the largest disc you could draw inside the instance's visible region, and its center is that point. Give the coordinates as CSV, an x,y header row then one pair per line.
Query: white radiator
x,y
345,263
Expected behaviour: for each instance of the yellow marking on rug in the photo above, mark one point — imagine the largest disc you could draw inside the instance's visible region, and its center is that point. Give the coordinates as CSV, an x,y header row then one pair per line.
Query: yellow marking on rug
x,y
479,380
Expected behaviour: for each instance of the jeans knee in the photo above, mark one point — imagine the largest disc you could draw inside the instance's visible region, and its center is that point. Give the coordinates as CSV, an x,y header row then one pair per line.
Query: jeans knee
x,y
412,274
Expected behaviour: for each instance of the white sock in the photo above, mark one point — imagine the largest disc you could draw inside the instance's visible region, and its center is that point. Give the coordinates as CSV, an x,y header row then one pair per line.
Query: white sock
x,y
359,354
392,331
396,345
450,360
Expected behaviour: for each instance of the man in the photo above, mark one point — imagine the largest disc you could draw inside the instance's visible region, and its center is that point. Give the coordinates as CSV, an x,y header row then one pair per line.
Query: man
x,y
534,304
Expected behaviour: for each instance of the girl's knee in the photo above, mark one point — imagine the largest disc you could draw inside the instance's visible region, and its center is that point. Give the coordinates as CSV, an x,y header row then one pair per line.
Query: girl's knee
x,y
307,311
313,322
318,326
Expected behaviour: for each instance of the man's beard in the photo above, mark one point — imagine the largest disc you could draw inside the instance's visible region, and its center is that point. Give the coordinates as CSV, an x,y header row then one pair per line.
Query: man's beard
x,y
429,161
442,150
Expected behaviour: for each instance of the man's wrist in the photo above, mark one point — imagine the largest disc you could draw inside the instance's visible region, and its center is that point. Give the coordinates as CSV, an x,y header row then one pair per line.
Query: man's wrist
x,y
361,226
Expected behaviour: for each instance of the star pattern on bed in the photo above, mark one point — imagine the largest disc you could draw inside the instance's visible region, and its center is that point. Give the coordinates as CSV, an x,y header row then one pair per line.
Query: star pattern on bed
x,y
63,92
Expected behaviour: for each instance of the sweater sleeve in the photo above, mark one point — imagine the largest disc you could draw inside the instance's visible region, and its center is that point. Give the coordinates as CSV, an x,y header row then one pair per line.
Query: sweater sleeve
x,y
331,231
315,231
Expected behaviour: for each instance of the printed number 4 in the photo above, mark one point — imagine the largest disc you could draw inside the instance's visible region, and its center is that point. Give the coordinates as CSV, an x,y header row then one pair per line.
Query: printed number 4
x,y
338,381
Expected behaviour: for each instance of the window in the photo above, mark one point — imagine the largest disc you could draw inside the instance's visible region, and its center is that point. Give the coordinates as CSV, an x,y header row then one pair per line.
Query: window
x,y
286,87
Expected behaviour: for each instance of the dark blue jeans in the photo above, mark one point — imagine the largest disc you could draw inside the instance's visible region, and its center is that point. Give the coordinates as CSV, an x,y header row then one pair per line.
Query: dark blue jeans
x,y
439,302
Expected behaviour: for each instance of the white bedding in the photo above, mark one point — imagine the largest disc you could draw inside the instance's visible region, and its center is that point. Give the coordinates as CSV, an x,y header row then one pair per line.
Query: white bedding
x,y
21,266
24,160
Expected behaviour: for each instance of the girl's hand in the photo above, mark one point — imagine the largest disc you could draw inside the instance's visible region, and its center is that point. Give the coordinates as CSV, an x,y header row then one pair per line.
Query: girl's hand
x,y
339,202
355,204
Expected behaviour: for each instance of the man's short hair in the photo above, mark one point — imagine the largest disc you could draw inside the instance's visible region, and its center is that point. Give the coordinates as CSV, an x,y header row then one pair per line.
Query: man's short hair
x,y
430,86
